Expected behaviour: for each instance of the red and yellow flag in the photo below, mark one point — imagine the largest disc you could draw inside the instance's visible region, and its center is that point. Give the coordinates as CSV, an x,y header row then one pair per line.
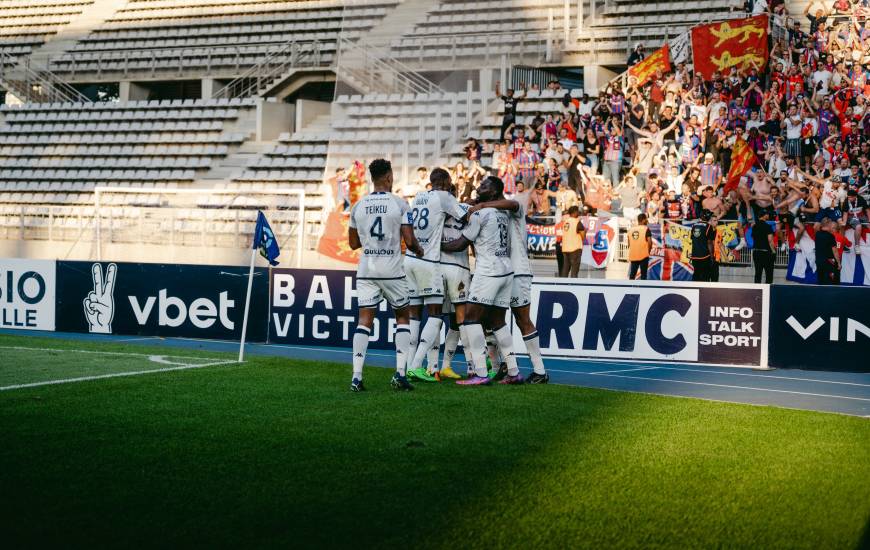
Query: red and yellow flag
x,y
736,43
742,160
333,241
660,60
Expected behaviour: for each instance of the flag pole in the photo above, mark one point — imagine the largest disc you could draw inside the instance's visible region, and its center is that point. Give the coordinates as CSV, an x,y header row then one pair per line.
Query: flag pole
x,y
247,305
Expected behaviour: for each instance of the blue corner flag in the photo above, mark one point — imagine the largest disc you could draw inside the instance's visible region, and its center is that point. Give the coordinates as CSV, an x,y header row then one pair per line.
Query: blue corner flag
x,y
265,240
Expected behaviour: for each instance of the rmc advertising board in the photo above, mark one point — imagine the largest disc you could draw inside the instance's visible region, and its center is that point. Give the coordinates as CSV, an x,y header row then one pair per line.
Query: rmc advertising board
x,y
718,324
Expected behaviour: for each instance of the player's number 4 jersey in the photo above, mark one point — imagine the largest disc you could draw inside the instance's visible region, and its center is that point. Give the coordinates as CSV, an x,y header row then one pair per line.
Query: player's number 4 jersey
x,y
378,219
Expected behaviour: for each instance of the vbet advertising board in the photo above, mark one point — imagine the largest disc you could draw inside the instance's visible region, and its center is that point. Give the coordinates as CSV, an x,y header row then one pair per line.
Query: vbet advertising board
x,y
704,323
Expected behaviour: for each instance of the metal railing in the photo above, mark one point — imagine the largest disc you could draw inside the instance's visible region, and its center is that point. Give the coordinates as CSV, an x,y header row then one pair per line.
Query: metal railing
x,y
262,77
371,70
35,85
154,61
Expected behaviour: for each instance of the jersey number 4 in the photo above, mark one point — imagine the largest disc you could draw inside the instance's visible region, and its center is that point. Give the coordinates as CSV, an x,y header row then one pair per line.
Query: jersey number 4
x,y
377,229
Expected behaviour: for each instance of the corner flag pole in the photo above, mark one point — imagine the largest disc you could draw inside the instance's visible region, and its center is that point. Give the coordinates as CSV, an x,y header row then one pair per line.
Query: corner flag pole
x,y
247,305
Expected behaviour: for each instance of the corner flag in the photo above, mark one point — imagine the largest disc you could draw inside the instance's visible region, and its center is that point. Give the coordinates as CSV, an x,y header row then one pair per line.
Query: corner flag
x,y
265,240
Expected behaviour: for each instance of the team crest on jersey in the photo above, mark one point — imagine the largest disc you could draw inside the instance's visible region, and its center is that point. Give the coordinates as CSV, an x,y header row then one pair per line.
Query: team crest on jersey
x,y
601,244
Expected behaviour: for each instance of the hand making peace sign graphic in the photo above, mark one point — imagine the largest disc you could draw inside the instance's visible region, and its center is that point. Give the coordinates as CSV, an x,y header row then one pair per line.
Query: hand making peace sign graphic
x,y
100,303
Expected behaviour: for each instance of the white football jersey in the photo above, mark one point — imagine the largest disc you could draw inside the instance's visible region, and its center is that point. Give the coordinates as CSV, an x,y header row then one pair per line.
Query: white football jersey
x,y
453,230
489,230
429,209
520,236
378,218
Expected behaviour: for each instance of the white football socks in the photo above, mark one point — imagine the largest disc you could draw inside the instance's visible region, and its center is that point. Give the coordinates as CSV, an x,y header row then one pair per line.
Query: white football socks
x,y
414,327
451,342
534,348
506,346
360,345
466,348
492,349
403,343
431,334
432,365
477,347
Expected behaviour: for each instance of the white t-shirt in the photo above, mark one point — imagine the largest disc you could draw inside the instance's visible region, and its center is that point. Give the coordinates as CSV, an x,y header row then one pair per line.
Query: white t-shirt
x,y
793,128
378,218
824,76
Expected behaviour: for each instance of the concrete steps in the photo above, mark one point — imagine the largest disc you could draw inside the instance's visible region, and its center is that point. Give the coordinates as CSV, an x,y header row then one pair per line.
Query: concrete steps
x,y
92,17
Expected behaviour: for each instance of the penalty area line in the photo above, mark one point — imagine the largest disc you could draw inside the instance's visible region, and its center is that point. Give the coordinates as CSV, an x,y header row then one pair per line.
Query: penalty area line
x,y
97,352
114,375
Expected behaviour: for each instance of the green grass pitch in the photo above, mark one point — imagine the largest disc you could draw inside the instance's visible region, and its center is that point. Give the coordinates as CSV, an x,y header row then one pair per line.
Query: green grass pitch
x,y
278,453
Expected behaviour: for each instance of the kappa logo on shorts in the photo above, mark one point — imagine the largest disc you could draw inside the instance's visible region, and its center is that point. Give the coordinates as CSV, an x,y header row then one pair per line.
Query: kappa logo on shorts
x,y
515,301
461,286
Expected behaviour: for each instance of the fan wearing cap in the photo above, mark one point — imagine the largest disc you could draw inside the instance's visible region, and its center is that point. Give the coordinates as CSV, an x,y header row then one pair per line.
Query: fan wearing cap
x,y
703,235
763,246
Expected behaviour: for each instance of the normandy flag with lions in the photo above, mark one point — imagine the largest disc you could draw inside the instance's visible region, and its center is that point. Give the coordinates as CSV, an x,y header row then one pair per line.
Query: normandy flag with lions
x,y
740,43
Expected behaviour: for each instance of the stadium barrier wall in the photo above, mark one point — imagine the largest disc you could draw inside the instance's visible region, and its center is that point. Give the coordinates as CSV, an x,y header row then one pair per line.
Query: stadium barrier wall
x,y
820,327
191,301
784,326
27,294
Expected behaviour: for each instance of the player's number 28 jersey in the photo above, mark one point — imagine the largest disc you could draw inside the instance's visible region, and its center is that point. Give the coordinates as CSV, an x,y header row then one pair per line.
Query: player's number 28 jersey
x,y
428,212
378,218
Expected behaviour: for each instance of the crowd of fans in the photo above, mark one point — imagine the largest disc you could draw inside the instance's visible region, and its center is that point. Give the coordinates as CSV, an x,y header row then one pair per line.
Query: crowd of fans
x,y
664,149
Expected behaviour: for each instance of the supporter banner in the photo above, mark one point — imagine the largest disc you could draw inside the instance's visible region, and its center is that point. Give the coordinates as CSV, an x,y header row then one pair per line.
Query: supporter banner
x,y
820,328
657,61
27,294
600,244
541,237
740,43
723,324
679,47
192,301
319,308
672,248
855,259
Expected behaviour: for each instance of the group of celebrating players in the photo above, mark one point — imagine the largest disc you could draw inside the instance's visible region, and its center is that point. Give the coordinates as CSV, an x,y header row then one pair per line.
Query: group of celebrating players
x,y
434,274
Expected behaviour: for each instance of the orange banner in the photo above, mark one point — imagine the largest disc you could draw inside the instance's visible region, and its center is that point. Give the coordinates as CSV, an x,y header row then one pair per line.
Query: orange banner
x,y
333,241
739,43
742,160
660,60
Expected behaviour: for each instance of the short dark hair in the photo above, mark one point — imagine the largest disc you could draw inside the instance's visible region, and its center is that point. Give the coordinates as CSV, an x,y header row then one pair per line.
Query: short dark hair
x,y
380,168
573,210
496,182
641,218
439,177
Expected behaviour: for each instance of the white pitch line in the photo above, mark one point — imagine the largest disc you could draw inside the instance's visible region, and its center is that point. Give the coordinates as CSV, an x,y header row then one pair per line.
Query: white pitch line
x,y
768,376
623,370
115,375
726,386
127,354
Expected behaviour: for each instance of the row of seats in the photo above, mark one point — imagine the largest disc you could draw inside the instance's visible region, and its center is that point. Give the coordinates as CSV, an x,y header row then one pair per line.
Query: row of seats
x,y
98,175
271,162
168,163
122,127
119,115
134,105
100,138
281,175
114,151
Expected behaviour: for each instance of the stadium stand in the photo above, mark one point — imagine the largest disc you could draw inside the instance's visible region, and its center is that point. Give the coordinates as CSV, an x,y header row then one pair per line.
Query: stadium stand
x,y
27,25
212,37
